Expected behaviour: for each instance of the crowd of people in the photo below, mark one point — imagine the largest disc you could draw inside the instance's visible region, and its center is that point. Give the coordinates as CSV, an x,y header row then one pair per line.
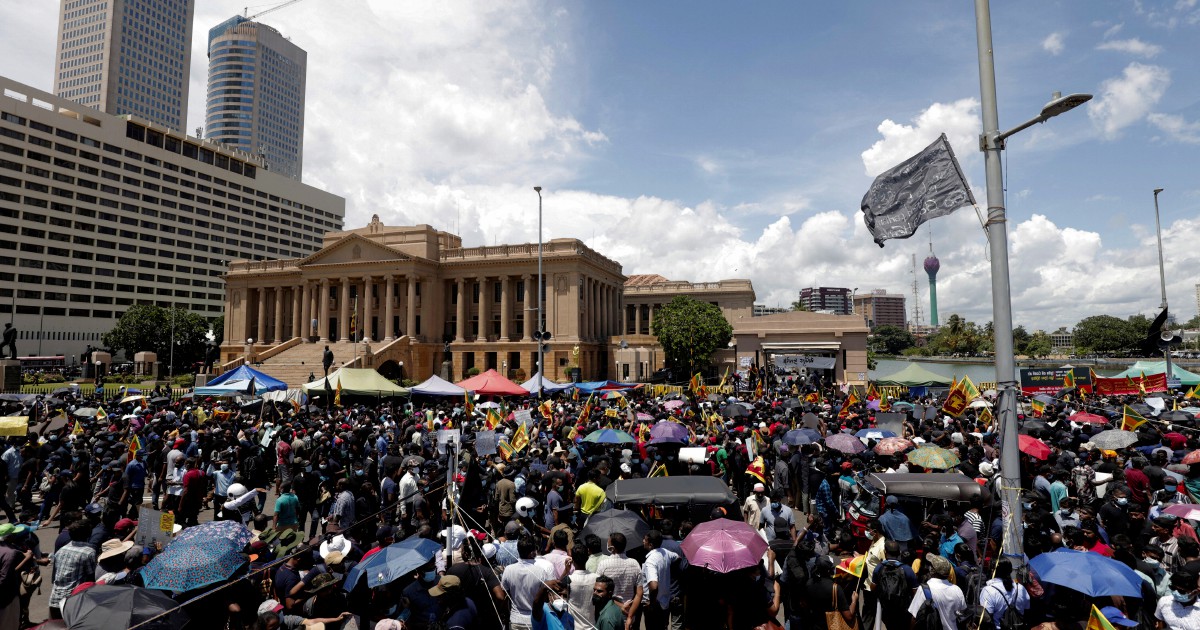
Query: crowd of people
x,y
325,487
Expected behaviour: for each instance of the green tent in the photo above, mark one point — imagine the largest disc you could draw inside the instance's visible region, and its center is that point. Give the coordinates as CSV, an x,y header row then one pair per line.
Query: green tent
x,y
914,376
1159,367
356,382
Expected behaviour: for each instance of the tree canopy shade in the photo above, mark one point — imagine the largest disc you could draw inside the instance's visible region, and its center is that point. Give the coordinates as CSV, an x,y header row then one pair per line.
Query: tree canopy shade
x,y
148,327
1105,333
690,331
891,340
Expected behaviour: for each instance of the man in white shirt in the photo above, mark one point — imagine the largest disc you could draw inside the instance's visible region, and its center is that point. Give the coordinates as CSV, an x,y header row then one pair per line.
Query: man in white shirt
x,y
581,583
626,574
947,598
523,581
754,506
1180,610
656,573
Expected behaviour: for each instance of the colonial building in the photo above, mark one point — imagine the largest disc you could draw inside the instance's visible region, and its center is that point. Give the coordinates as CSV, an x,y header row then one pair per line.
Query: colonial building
x,y
407,299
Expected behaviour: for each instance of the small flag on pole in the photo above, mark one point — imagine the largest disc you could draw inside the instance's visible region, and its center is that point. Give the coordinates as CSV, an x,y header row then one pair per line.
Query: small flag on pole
x,y
928,185
1130,419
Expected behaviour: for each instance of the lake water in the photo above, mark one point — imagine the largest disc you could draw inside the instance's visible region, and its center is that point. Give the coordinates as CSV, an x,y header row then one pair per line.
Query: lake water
x,y
979,372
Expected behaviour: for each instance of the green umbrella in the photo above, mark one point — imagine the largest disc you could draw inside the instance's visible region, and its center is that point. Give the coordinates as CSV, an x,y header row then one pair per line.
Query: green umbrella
x,y
933,457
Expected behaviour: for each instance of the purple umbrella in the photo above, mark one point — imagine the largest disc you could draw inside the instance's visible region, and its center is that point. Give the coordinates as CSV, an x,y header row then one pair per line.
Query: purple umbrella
x,y
668,432
845,443
724,545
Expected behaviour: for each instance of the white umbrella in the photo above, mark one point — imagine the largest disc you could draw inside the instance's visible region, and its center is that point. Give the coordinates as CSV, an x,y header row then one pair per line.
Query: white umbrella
x,y
980,403
488,405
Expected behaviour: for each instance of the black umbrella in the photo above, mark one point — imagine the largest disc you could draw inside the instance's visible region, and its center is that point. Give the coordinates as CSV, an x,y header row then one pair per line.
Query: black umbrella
x,y
734,411
1029,426
72,389
792,403
1143,409
106,607
1066,391
614,520
161,400
1177,416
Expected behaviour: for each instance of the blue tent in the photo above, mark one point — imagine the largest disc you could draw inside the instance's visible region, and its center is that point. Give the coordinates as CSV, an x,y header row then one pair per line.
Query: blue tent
x,y
262,382
595,386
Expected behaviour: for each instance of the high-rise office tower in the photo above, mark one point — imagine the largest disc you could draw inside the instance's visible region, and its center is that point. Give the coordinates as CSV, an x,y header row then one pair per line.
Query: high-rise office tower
x,y
126,57
256,93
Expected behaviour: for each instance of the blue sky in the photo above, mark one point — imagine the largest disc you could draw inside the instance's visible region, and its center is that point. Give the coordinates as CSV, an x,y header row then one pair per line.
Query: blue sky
x,y
709,140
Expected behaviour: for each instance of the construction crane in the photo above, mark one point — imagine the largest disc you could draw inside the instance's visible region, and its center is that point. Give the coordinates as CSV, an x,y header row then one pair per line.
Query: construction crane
x,y
246,11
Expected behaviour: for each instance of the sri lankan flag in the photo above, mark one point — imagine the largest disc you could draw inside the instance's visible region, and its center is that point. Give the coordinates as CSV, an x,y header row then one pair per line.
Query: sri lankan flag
x,y
872,393
1130,419
757,469
77,429
506,450
520,439
968,388
985,415
1069,379
851,400
492,419
135,445
574,393
587,408
337,396
101,414
758,390
1194,393
1038,406
1142,384
573,434
354,320
814,397
468,405
724,377
658,470
547,409
1097,620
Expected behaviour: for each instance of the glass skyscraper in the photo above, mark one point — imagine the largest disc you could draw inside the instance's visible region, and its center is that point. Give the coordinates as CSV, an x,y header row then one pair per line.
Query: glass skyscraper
x,y
126,57
255,102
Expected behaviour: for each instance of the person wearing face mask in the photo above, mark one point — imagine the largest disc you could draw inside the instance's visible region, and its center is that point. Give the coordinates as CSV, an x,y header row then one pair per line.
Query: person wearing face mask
x,y
779,524
755,505
424,607
287,508
1178,610
222,476
458,611
1114,514
550,610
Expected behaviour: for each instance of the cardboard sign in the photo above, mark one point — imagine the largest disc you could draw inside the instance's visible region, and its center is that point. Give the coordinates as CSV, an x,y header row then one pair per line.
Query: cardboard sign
x,y
523,416
485,443
893,422
448,436
150,527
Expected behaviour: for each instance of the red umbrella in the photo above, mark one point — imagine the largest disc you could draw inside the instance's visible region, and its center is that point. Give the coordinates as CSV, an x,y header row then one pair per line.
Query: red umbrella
x,y
1033,447
1192,458
1088,418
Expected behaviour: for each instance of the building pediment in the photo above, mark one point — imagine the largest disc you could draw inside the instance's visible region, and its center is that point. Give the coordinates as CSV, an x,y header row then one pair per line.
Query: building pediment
x,y
355,249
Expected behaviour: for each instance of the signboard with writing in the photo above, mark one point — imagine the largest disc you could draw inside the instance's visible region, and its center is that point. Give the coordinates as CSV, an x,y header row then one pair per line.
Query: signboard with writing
x,y
893,422
154,526
1049,380
1131,386
485,443
797,361
523,416
448,436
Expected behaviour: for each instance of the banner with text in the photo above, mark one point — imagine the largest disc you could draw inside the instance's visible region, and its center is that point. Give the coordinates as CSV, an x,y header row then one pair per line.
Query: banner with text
x,y
1049,380
797,361
1131,385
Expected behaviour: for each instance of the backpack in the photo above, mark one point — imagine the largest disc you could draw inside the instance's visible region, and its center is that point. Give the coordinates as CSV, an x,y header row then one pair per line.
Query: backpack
x,y
972,585
1011,618
893,585
928,617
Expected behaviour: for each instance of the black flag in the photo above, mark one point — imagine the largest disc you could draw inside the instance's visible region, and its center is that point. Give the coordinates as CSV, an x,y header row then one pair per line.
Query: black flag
x,y
927,185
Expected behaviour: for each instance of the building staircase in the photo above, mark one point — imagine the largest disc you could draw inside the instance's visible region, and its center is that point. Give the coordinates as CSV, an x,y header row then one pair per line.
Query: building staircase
x,y
294,365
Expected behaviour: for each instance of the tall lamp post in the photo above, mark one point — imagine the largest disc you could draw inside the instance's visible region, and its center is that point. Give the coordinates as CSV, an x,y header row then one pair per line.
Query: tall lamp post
x,y
1162,278
537,334
991,142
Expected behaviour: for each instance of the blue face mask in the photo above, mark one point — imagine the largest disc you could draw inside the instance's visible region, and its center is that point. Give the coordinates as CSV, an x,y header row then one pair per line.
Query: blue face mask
x,y
430,576
1182,598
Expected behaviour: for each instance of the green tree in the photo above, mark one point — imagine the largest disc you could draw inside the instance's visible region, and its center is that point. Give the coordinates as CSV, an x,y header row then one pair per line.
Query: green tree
x,y
1020,340
148,327
1039,345
690,331
959,336
1105,333
799,306
891,340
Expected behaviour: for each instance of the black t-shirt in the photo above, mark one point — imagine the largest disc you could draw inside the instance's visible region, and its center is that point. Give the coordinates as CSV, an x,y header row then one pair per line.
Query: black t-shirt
x,y
478,582
819,593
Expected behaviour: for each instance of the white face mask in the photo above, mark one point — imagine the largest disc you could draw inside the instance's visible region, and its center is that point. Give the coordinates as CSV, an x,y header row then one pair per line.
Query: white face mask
x,y
559,605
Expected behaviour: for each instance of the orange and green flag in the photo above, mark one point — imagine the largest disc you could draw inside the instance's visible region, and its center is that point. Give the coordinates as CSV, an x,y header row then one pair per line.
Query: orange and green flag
x,y
506,450
492,419
135,445
547,409
1069,379
1194,393
1097,620
1038,406
1130,419
468,405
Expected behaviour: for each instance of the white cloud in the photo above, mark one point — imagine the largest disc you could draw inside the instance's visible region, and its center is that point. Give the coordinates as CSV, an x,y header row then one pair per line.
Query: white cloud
x,y
1126,99
958,120
1133,46
1176,127
1053,43
1113,30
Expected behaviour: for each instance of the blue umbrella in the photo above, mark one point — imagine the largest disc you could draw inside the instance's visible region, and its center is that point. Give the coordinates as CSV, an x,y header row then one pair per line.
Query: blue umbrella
x,y
1089,573
800,437
874,434
609,436
219,532
393,562
184,566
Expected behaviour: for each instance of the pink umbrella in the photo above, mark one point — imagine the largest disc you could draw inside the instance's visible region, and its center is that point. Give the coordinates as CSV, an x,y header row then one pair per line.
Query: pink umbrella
x,y
1089,418
673,404
645,416
893,445
1189,511
724,545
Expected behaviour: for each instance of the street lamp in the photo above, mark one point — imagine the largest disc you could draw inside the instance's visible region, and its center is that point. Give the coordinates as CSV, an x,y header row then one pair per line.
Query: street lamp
x,y
537,336
991,142
1162,278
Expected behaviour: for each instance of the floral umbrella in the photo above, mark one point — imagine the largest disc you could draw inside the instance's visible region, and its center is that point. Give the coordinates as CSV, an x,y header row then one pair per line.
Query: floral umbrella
x,y
184,566
845,443
893,445
933,457
218,532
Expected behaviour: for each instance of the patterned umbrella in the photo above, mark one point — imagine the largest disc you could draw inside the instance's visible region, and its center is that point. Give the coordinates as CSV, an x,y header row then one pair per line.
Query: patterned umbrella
x,y
184,566
609,436
673,404
1114,439
1192,458
893,445
874,434
933,457
845,443
723,545
219,532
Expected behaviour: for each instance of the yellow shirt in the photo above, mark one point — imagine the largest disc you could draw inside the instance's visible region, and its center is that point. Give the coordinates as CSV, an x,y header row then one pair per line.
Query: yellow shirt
x,y
591,497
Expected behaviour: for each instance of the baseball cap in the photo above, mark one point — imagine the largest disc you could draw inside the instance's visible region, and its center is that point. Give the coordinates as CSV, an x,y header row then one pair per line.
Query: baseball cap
x,y
269,606
1114,615
447,583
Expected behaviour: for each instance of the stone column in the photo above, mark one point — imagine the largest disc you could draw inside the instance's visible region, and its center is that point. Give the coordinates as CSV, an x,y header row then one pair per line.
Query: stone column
x,y
261,332
323,310
485,309
410,315
505,306
305,331
368,308
389,308
650,316
637,319
460,327
344,311
528,307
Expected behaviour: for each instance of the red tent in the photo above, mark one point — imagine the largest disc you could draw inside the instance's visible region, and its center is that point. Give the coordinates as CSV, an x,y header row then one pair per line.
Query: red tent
x,y
491,382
